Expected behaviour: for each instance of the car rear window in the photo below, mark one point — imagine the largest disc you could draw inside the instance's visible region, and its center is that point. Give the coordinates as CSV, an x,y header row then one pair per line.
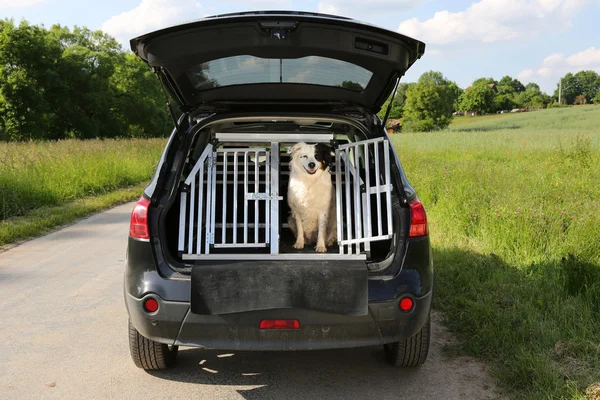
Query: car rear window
x,y
245,69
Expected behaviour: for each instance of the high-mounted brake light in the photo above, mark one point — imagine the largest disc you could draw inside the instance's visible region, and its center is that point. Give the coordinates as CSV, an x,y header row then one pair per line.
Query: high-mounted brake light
x,y
138,224
279,324
418,220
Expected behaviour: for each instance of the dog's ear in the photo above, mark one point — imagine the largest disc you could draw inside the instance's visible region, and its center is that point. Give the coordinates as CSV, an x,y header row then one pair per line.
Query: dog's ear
x,y
324,153
294,149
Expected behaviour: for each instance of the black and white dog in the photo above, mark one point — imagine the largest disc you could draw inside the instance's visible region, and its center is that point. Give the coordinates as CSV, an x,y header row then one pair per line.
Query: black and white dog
x,y
311,196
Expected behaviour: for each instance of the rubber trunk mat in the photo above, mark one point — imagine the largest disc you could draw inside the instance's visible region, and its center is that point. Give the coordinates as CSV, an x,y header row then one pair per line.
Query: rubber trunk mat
x,y
338,287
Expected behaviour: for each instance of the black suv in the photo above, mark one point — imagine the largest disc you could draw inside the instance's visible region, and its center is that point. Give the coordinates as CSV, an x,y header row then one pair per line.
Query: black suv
x,y
210,259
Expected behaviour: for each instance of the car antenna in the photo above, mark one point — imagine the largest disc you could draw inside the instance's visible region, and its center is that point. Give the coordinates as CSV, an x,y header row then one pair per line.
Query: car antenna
x,y
389,106
160,74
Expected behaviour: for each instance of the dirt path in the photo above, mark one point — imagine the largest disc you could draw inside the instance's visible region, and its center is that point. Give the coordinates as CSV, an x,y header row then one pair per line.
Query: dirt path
x,y
63,335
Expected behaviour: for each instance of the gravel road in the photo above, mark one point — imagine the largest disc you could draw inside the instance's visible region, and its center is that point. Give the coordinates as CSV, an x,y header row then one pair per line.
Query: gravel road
x,y
63,335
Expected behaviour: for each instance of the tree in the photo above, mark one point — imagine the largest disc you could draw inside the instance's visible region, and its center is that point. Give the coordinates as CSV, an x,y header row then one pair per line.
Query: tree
x,y
532,97
429,103
570,89
533,87
508,85
479,97
85,103
397,109
61,83
589,84
488,81
139,102
596,99
28,64
504,102
357,87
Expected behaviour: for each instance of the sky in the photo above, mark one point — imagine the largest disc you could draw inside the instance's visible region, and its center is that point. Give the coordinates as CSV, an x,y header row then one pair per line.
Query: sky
x,y
533,40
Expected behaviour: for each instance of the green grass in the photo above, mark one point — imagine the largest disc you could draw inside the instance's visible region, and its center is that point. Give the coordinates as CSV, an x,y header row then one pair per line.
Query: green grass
x,y
45,219
513,203
40,180
465,120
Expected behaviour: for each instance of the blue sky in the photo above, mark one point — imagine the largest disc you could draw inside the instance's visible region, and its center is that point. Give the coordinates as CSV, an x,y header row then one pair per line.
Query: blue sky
x,y
534,40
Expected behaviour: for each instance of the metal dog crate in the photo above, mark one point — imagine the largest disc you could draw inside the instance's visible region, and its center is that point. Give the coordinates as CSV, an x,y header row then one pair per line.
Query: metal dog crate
x,y
229,204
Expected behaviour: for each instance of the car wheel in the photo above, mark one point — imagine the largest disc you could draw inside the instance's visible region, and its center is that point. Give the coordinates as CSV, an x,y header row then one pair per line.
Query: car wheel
x,y
148,354
410,352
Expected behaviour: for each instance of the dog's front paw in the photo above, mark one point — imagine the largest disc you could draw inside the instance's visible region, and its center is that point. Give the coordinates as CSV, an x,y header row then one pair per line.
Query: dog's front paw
x,y
299,245
321,248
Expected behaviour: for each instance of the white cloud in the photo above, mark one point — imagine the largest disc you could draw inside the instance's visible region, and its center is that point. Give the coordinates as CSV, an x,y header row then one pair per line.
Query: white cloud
x,y
361,9
489,21
20,3
544,72
588,58
554,59
556,65
526,75
151,15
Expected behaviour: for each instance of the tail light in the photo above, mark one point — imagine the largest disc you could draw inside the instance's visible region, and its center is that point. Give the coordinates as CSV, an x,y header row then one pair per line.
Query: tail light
x,y
138,224
418,220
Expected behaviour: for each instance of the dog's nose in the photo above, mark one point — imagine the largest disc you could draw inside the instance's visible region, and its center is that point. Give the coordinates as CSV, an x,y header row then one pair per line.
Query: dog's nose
x,y
311,165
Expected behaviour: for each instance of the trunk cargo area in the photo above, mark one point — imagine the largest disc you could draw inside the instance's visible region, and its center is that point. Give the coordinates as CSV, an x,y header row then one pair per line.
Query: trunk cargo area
x,y
232,200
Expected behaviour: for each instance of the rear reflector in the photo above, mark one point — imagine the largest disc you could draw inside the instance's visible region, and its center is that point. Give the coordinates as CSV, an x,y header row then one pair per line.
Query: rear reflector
x,y
418,220
151,305
138,224
279,324
406,304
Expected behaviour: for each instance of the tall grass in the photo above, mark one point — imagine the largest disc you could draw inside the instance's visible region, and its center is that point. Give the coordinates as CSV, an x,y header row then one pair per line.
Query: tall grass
x,y
513,204
37,174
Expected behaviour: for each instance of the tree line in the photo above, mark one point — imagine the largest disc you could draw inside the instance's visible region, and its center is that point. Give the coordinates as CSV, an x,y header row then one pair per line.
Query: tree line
x,y
59,83
430,103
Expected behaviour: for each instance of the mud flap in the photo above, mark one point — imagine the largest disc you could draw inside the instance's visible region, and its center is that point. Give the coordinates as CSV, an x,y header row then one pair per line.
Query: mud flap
x,y
338,287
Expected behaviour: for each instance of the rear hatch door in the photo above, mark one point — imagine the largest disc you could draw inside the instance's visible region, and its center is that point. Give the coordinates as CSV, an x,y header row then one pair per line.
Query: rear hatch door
x,y
278,56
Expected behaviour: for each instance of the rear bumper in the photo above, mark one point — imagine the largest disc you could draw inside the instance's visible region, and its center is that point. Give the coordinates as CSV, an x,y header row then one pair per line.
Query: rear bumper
x,y
173,323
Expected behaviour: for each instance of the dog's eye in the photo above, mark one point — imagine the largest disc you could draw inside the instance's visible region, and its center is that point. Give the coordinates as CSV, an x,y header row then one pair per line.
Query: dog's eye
x,y
304,156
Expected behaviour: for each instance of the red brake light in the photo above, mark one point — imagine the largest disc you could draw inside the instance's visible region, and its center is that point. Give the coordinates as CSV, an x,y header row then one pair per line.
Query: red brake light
x,y
279,324
418,220
138,224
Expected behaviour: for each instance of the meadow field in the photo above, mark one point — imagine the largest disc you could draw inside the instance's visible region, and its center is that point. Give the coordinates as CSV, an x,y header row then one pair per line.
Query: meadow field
x,y
514,208
46,184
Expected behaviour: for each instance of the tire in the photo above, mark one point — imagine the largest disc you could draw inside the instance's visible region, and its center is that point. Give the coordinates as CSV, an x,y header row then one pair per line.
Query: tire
x,y
148,354
412,351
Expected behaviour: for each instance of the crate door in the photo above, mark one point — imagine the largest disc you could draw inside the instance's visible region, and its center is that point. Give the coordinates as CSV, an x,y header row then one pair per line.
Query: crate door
x,y
363,194
226,202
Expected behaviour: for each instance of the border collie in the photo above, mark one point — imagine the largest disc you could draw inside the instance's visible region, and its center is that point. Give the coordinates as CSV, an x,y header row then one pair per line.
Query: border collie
x,y
311,196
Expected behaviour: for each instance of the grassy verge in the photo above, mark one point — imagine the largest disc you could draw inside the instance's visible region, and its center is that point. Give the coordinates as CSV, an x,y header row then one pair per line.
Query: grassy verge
x,y
47,184
513,204
46,219
38,174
